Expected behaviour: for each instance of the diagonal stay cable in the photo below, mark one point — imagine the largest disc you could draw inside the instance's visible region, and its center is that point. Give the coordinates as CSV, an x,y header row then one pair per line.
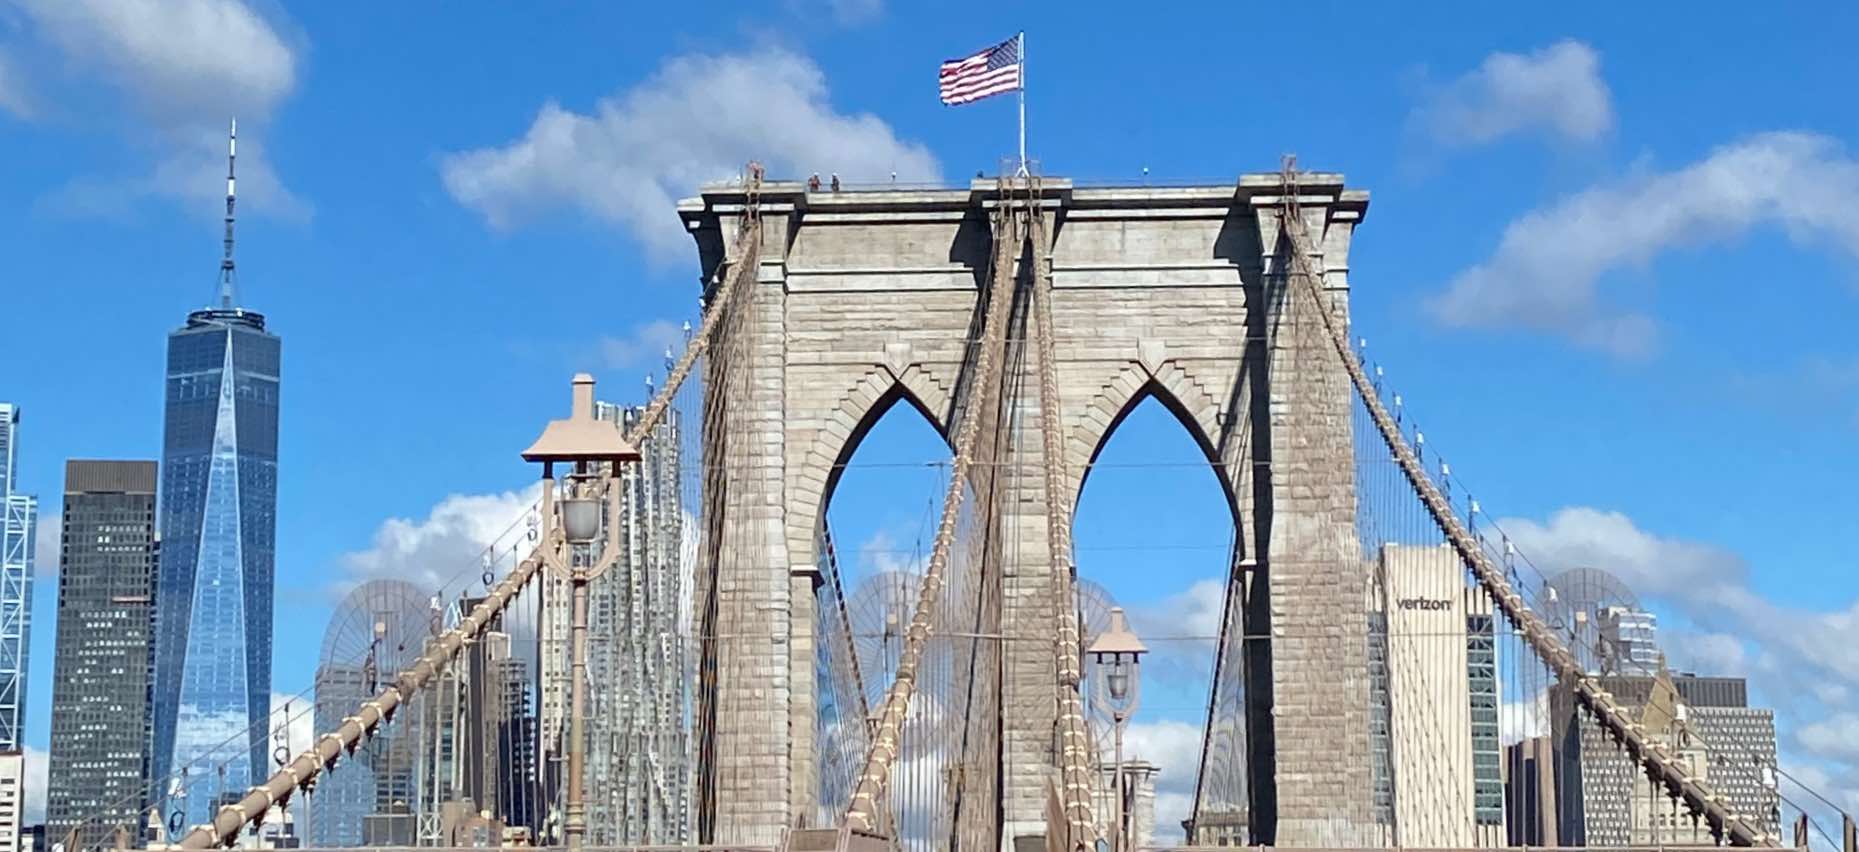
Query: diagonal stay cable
x,y
359,728
1659,762
886,744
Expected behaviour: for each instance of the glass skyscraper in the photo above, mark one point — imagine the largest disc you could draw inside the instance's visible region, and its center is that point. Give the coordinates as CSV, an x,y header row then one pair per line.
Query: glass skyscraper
x,y
219,486
218,526
18,516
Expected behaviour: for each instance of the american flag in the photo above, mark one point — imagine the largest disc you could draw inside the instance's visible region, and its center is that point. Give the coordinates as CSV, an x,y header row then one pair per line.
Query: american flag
x,y
989,72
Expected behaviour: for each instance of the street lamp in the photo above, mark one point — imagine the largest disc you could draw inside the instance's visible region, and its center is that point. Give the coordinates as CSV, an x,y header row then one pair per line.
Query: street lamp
x,y
1118,655
571,521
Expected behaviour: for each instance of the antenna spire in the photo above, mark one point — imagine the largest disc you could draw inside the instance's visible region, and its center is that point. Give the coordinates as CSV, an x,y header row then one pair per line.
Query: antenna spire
x,y
228,294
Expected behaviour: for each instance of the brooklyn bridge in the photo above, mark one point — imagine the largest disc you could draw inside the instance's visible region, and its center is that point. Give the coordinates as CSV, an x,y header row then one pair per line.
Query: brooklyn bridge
x,y
1371,608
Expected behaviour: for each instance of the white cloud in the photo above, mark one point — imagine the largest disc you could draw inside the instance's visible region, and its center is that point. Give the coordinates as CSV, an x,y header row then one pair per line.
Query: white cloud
x,y
1172,745
13,97
182,68
855,11
445,548
37,781
1815,385
1523,718
1650,565
1838,786
1171,808
191,168
1547,271
698,118
175,55
1194,614
47,544
1709,586
1720,653
1835,736
884,554
296,716
1556,90
1175,749
1798,658
1182,633
645,346
843,12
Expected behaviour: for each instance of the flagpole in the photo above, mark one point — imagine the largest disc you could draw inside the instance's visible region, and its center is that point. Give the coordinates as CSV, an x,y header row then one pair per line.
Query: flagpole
x,y
1023,168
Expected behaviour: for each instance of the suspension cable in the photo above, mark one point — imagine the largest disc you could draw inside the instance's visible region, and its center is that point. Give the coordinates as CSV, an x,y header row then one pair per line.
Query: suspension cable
x,y
874,779
1658,761
359,728
1075,750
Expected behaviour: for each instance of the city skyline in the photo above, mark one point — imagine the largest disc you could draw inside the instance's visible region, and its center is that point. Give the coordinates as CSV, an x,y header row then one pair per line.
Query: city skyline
x,y
373,302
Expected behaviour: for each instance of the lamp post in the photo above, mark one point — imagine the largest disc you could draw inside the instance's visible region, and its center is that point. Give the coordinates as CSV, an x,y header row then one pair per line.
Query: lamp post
x,y
1118,655
571,527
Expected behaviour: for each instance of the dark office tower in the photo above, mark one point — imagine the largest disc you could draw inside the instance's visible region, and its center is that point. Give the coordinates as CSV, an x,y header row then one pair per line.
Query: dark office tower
x,y
100,667
496,745
218,524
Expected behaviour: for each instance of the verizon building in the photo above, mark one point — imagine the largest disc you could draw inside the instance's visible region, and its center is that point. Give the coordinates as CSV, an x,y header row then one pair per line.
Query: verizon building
x,y
1434,702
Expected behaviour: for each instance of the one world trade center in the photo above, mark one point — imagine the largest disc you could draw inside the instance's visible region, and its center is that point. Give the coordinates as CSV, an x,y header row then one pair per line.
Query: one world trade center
x,y
218,528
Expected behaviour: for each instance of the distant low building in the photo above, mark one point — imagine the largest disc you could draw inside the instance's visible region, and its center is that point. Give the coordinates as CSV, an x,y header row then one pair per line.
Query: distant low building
x,y
1530,792
12,799
1139,800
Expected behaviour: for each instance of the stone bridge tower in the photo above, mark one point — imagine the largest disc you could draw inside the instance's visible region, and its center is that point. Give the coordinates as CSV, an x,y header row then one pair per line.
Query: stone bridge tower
x,y
863,299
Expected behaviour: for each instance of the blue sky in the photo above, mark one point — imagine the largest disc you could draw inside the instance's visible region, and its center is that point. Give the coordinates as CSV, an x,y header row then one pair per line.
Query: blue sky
x,y
1609,260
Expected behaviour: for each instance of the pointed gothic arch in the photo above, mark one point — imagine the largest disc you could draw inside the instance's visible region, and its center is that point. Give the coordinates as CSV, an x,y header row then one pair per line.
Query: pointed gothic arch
x,y
862,406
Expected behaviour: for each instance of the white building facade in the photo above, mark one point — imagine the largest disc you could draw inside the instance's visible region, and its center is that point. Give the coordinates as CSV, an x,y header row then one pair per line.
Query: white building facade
x,y
1433,672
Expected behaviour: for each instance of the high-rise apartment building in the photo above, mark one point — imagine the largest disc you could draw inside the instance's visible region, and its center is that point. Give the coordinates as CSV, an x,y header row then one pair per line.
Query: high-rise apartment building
x,y
101,666
1435,755
1138,800
1629,641
218,527
638,728
19,515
